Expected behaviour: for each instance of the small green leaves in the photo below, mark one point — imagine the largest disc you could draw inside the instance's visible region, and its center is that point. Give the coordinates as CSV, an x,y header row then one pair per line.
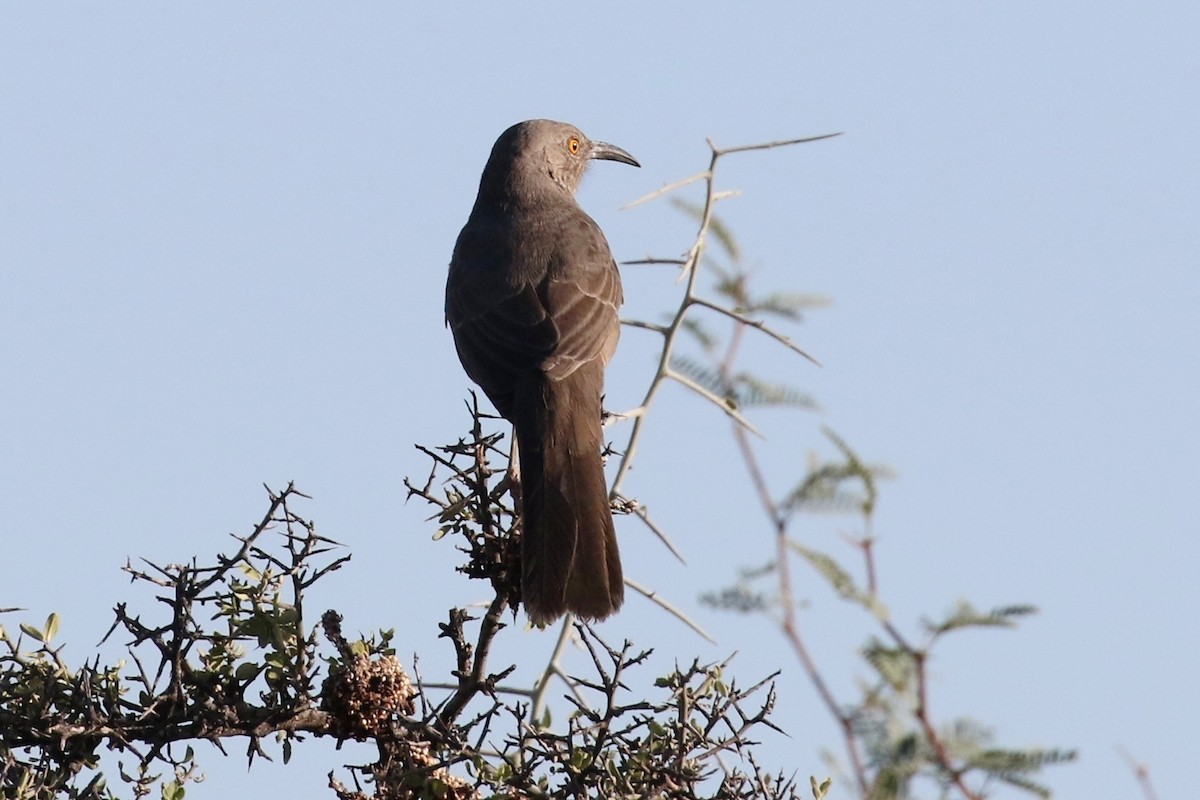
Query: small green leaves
x,y
1014,767
824,487
742,389
247,671
965,615
173,790
895,665
840,580
47,632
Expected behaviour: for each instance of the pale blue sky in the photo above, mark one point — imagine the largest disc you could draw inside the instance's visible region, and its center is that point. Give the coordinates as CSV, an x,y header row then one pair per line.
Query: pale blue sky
x,y
223,238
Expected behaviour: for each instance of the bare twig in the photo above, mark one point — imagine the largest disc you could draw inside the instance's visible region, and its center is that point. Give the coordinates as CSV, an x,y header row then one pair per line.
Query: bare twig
x,y
690,297
1140,771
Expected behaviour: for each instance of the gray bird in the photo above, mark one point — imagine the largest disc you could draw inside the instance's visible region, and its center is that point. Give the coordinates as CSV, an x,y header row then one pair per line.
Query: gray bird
x,y
532,299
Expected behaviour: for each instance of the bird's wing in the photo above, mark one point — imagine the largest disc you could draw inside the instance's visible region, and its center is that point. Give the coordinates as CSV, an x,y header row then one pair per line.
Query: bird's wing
x,y
581,294
501,329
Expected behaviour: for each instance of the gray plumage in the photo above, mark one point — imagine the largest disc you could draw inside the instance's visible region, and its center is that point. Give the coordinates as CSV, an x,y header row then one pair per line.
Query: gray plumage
x,y
531,299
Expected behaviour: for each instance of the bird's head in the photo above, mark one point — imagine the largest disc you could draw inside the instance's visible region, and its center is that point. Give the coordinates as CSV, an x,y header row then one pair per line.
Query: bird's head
x,y
537,148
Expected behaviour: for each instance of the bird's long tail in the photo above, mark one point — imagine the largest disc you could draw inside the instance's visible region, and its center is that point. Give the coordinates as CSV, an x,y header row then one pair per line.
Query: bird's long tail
x,y
569,551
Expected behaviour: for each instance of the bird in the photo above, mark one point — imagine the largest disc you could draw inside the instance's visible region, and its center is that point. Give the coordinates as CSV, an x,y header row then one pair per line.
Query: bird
x,y
532,295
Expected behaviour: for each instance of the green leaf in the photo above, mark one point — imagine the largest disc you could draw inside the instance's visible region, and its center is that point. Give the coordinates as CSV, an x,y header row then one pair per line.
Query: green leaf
x,y
788,304
1029,785
1015,766
1006,763
752,391
822,488
581,759
32,632
247,672
893,664
702,375
840,580
51,627
829,569
740,598
966,615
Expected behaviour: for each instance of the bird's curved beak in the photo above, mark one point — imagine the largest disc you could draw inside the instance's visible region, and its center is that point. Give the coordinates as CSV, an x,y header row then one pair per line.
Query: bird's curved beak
x,y
610,152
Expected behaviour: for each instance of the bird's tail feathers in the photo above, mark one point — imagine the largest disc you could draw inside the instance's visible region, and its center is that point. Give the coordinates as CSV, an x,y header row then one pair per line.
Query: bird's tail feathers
x,y
569,551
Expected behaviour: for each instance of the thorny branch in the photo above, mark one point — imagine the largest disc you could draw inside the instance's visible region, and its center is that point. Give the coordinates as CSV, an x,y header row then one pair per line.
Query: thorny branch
x,y
202,684
872,775
690,272
236,658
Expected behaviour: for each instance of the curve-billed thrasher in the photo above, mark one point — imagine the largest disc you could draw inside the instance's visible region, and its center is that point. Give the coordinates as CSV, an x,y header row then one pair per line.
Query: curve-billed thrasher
x,y
532,301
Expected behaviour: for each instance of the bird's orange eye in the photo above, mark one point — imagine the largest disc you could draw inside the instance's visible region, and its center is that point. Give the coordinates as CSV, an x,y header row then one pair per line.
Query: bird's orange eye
x,y
573,145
